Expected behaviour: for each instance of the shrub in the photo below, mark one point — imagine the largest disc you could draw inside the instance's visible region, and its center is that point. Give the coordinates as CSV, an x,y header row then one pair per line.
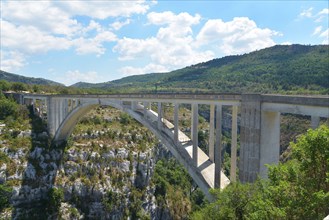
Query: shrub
x,y
5,193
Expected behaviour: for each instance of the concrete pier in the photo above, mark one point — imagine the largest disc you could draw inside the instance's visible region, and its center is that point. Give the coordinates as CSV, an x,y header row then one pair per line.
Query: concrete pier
x,y
234,143
315,122
269,141
176,114
195,122
212,133
250,137
160,115
218,146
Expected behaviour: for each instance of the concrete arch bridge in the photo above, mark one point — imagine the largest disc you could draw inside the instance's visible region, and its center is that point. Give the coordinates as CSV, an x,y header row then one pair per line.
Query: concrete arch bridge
x,y
259,126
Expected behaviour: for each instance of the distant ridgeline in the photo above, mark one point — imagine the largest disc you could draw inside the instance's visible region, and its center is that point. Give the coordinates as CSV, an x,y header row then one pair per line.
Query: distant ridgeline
x,y
278,69
10,77
294,69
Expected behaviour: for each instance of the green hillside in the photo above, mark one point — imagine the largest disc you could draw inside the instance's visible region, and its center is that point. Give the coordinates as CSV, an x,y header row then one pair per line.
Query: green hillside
x,y
278,69
10,77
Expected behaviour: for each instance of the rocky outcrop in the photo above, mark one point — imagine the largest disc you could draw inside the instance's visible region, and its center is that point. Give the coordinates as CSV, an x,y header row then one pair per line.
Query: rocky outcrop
x,y
104,174
122,171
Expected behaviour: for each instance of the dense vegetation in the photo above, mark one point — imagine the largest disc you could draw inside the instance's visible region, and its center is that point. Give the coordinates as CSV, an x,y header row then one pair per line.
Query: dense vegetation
x,y
28,80
175,189
16,119
296,189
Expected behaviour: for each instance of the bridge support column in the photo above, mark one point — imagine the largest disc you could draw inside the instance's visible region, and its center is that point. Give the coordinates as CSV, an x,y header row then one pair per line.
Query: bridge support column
x,y
44,107
176,111
61,111
146,107
260,139
51,112
212,132
71,104
250,137
133,105
66,107
234,142
315,122
269,140
218,146
57,115
160,116
195,120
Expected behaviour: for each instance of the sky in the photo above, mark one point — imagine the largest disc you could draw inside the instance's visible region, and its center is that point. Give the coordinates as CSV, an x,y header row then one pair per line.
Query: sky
x,y
69,41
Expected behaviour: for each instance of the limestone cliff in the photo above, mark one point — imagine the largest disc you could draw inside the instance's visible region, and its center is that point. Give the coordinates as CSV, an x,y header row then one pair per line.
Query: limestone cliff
x,y
104,171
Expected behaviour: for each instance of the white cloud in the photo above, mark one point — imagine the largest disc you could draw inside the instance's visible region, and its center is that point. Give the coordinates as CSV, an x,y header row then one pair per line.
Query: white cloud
x,y
308,13
323,14
29,39
317,30
118,25
93,25
94,45
324,11
150,68
41,15
104,9
129,48
74,76
31,27
12,60
316,17
319,17
175,45
325,36
38,28
170,18
172,47
240,35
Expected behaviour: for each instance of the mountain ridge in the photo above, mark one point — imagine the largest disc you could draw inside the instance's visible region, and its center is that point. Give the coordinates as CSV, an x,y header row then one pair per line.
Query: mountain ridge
x,y
11,77
278,68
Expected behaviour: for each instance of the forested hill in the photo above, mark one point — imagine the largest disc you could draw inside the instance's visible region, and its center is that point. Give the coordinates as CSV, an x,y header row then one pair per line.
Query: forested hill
x,y
10,77
281,68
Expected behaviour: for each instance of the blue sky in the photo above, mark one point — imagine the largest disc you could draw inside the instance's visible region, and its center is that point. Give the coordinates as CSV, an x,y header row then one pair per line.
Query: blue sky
x,y
98,41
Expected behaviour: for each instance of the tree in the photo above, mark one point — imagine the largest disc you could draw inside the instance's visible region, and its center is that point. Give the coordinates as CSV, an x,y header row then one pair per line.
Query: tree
x,y
297,189
5,194
4,85
301,185
7,107
18,87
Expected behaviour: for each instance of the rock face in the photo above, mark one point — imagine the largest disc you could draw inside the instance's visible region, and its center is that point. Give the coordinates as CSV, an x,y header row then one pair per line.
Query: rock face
x,y
122,172
105,174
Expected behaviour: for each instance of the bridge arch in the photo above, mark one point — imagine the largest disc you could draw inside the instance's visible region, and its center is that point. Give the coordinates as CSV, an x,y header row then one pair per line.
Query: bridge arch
x,y
165,136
